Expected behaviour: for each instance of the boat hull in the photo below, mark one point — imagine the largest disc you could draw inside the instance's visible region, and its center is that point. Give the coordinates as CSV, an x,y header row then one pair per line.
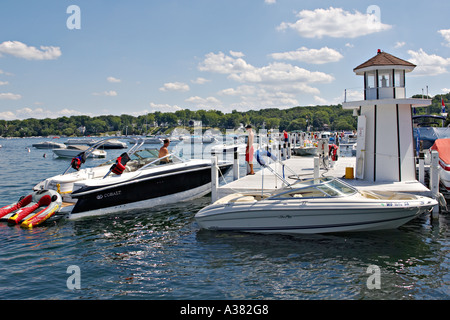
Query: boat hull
x,y
304,218
305,151
145,190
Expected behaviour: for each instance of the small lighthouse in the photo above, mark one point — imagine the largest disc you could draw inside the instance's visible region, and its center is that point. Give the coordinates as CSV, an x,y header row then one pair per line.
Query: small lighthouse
x,y
385,149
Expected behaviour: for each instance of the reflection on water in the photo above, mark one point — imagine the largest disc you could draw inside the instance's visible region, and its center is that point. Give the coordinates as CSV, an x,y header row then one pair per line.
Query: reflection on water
x,y
160,253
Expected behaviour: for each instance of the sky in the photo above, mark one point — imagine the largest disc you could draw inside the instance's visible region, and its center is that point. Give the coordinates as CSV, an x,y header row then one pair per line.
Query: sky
x,y
111,57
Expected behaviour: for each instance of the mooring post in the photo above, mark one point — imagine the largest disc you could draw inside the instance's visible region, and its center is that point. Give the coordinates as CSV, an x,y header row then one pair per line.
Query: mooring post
x,y
434,181
214,179
422,171
316,168
236,164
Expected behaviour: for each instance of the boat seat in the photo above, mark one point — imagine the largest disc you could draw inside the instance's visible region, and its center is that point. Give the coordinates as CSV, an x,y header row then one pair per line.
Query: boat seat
x,y
386,195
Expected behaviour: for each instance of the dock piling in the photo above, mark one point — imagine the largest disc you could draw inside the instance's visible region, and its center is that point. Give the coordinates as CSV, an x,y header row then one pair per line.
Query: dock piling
x,y
214,179
434,181
236,165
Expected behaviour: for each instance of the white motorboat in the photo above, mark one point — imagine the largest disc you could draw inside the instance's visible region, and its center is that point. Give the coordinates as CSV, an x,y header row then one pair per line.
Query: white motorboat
x,y
49,145
80,141
137,179
72,151
313,206
111,144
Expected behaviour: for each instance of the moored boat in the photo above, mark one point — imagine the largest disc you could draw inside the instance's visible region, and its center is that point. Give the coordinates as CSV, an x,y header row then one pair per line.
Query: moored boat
x,y
138,179
48,145
73,150
314,206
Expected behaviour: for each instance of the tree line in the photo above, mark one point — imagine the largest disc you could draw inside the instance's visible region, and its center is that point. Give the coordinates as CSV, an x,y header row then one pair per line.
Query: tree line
x,y
313,118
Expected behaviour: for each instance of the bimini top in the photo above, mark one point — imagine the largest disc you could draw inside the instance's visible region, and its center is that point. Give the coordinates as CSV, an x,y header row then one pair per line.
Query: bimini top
x,y
384,60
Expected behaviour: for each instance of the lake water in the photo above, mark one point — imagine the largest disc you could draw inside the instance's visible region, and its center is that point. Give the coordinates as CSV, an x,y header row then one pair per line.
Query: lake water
x,y
161,253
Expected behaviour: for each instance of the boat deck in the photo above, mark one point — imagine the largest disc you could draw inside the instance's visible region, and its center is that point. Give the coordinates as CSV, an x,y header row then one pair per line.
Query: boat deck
x,y
304,167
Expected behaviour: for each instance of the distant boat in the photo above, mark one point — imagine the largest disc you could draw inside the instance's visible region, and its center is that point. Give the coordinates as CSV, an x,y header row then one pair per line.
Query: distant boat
x,y
81,141
73,150
112,144
48,145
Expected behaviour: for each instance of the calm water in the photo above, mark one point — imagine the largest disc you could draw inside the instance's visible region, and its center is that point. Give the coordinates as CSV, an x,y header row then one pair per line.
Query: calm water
x,y
162,253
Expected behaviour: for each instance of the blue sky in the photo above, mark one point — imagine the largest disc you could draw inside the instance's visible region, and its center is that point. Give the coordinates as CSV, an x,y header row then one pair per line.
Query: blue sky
x,y
136,56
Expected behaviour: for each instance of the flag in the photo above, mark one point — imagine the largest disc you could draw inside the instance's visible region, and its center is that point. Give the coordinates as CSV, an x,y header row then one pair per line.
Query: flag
x,y
443,105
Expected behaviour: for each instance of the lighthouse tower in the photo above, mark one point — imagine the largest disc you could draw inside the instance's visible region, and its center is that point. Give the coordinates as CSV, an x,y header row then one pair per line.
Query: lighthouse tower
x,y
385,149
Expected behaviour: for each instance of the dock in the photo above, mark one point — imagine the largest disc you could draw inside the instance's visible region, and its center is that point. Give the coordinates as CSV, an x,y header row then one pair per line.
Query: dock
x,y
303,167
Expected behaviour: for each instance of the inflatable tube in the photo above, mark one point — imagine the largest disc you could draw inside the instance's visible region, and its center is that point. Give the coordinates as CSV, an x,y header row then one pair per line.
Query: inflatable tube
x,y
44,214
40,206
24,201
261,153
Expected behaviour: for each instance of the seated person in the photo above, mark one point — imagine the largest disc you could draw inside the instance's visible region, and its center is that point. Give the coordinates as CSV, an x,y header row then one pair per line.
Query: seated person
x,y
163,151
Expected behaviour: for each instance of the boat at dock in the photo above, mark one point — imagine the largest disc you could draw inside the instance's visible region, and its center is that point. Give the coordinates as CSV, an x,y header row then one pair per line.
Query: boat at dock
x,y
317,205
137,179
314,206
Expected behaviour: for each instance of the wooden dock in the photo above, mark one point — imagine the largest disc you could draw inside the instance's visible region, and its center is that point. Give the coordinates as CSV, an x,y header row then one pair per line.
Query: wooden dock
x,y
304,168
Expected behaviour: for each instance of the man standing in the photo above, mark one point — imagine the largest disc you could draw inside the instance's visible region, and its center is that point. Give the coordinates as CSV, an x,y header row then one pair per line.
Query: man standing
x,y
249,150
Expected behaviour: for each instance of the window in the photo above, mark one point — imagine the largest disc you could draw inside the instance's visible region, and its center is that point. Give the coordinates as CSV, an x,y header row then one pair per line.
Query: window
x,y
399,79
370,79
384,79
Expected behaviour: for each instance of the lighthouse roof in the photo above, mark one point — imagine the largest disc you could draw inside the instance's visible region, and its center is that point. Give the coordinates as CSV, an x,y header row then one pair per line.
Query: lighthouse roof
x,y
384,60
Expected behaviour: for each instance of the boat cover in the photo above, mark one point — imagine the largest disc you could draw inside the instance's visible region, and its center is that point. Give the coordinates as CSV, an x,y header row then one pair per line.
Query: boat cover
x,y
443,147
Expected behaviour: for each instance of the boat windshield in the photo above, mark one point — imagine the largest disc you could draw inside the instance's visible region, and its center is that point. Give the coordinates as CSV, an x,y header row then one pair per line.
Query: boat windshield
x,y
144,157
318,188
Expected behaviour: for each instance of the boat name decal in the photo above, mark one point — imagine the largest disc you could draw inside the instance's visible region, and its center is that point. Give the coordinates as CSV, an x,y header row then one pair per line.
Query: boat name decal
x,y
109,194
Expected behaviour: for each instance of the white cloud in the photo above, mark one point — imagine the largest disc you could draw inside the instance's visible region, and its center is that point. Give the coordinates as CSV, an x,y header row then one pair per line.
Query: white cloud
x,y
221,63
175,86
276,84
399,44
163,107
10,96
446,34
110,93
237,54
446,90
200,80
21,50
5,73
7,115
270,1
3,83
202,101
38,113
314,56
113,80
335,23
279,72
428,64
